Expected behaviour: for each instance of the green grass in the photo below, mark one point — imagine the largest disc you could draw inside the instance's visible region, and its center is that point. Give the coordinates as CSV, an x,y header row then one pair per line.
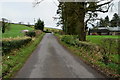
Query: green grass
x,y
16,59
110,45
98,38
15,30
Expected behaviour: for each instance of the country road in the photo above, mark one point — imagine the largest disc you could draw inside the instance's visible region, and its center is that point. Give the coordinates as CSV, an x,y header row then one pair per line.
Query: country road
x,y
51,60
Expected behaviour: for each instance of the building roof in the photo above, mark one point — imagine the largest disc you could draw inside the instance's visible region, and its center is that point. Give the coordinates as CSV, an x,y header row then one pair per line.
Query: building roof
x,y
114,28
103,29
99,30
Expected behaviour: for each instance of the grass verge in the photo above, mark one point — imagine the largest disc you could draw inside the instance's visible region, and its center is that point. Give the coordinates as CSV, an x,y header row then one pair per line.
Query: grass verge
x,y
92,57
12,62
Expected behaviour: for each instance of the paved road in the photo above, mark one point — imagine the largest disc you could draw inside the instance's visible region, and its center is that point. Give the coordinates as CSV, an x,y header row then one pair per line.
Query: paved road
x,y
51,60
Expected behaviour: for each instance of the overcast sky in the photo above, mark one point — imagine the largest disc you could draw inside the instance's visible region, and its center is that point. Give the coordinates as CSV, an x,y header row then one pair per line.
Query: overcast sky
x,y
23,11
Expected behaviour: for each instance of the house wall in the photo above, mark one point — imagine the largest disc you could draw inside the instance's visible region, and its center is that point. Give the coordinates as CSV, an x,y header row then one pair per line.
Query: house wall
x,y
114,33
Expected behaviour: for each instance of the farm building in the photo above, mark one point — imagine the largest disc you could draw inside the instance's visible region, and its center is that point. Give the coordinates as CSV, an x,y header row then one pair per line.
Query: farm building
x,y
105,31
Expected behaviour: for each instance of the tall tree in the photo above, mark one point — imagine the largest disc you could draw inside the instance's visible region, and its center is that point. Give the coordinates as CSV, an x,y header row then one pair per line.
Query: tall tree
x,y
5,25
106,21
101,23
115,20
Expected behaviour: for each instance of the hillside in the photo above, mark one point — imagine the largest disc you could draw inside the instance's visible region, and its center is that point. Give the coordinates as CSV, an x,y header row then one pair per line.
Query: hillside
x,y
14,30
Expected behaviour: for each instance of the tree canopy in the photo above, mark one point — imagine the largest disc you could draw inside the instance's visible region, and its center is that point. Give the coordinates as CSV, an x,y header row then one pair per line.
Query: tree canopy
x,y
115,20
111,23
39,25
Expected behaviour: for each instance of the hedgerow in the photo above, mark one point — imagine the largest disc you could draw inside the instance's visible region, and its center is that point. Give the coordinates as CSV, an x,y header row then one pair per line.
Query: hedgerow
x,y
13,62
104,56
11,44
30,34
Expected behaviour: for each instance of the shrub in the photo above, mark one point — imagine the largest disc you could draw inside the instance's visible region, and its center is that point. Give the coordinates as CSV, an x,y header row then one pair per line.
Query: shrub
x,y
111,45
31,34
8,45
38,32
71,40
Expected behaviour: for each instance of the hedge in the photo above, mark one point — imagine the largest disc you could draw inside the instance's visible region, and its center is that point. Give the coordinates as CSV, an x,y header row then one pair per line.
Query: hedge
x,y
98,55
30,34
9,45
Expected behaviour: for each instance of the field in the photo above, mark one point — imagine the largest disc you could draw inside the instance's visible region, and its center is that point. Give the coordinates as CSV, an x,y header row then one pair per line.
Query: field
x,y
97,38
52,30
15,31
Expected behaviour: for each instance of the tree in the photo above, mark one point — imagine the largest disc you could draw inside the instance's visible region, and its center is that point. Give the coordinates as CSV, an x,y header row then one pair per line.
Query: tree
x,y
106,21
115,20
39,25
101,23
5,25
78,11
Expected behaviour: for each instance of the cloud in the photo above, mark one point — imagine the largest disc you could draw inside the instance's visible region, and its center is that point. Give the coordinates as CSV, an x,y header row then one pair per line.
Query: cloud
x,y
25,12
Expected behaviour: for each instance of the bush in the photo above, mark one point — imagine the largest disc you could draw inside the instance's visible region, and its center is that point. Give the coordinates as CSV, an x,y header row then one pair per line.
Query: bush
x,y
38,32
111,45
30,34
71,40
8,45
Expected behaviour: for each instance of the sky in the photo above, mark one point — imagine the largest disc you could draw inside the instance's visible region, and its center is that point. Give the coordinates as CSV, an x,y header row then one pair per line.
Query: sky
x,y
23,11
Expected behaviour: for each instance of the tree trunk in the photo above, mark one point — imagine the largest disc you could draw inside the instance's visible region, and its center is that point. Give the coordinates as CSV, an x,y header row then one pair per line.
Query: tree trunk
x,y
81,26
3,26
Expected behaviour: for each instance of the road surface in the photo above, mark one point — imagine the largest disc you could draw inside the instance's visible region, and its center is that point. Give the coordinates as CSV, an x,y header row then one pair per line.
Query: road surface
x,y
51,60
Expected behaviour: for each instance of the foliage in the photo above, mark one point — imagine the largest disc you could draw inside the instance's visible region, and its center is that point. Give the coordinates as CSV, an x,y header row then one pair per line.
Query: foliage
x,y
115,20
30,34
39,25
11,44
71,40
53,30
38,32
105,41
5,25
102,23
106,22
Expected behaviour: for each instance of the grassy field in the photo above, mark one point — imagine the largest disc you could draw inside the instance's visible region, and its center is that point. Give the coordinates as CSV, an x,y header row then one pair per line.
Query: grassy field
x,y
15,30
52,30
98,38
109,43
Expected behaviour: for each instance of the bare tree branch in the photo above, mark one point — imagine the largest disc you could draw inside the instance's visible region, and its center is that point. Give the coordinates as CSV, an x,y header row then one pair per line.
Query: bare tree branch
x,y
104,11
38,2
99,6
90,15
